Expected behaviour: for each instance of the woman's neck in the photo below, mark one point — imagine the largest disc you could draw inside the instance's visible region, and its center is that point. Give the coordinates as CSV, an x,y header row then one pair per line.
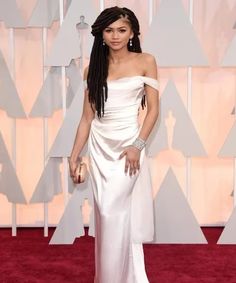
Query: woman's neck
x,y
118,56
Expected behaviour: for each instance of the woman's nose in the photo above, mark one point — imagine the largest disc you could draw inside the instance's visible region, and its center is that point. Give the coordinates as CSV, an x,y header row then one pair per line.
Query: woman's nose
x,y
115,34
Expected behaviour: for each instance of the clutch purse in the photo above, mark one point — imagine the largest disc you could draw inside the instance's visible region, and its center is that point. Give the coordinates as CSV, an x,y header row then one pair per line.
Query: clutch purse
x,y
81,172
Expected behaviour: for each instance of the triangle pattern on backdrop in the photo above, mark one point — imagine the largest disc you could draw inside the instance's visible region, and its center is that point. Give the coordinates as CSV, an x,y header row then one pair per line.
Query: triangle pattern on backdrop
x,y
86,193
174,221
9,182
44,13
64,140
10,14
49,183
171,27
71,223
9,98
74,75
184,136
61,54
229,59
50,98
228,236
228,149
211,11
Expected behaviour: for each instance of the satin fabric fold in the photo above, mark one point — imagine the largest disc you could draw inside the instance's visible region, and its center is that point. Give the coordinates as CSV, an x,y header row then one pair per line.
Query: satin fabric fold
x,y
123,204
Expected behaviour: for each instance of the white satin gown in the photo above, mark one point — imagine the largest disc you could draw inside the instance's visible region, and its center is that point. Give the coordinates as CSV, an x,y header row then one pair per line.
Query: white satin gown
x,y
123,205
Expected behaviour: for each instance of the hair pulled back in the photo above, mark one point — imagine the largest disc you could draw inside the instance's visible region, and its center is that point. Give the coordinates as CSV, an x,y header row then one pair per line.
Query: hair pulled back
x,y
98,66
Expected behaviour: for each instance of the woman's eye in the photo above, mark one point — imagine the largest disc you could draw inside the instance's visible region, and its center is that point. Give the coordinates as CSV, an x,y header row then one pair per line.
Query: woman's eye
x,y
122,30
107,30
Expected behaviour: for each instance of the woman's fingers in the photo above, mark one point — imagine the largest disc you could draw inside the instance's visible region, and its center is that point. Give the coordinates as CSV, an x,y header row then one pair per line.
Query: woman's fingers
x,y
122,154
74,178
133,171
72,169
127,166
131,161
73,175
131,166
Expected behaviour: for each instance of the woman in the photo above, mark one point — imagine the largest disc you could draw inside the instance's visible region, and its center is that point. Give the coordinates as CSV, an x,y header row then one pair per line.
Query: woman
x,y
118,76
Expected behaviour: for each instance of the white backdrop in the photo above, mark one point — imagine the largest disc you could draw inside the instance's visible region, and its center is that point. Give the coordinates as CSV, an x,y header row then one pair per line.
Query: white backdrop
x,y
211,184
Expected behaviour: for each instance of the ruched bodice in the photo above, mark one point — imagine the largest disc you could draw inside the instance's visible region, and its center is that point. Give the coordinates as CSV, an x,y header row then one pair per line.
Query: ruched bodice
x,y
120,122
124,98
123,204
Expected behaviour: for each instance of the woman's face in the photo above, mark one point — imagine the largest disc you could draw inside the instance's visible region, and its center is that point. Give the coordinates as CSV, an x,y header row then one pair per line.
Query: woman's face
x,y
117,35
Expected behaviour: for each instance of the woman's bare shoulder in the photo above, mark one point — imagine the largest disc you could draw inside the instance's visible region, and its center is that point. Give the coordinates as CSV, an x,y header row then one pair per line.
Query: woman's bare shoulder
x,y
149,65
147,58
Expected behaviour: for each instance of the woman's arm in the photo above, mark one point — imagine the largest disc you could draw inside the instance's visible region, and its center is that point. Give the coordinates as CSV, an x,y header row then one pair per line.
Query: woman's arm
x,y
82,131
152,97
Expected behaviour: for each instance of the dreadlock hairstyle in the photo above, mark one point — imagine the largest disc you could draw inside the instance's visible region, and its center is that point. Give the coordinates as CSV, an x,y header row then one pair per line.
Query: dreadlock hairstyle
x,y
98,66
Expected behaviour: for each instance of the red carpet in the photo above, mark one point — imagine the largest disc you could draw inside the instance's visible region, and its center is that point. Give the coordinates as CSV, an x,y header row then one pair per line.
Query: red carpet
x,y
29,258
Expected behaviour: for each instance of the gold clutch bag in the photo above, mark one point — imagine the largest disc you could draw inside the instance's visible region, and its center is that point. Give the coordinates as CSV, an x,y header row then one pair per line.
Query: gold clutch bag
x,y
81,172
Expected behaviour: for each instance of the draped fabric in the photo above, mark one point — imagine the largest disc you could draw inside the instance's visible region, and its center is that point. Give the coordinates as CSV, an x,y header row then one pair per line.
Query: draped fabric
x,y
123,204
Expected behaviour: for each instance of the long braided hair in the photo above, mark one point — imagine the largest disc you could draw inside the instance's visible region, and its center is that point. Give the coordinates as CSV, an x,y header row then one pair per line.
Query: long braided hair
x,y
98,66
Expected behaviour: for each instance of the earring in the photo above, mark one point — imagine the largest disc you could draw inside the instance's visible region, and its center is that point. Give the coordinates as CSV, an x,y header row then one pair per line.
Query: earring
x,y
103,43
130,42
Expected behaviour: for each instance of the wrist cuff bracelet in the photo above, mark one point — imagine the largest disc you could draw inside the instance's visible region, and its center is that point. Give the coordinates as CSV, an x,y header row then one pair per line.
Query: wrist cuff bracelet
x,y
139,143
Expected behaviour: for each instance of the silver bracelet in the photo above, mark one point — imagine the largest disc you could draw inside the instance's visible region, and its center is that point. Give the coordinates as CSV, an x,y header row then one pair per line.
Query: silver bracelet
x,y
139,143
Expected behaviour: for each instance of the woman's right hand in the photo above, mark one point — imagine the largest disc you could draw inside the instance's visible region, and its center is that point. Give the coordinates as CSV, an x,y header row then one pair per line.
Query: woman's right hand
x,y
73,166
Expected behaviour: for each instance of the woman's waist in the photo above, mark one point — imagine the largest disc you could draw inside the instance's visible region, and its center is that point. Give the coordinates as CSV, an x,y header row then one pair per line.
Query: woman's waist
x,y
117,130
114,124
118,117
110,140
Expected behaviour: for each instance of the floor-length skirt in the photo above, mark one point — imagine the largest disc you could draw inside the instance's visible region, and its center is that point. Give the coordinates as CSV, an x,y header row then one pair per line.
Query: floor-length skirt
x,y
121,203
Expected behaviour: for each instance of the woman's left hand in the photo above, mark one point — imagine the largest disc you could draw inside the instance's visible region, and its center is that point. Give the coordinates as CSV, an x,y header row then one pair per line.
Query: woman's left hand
x,y
132,160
